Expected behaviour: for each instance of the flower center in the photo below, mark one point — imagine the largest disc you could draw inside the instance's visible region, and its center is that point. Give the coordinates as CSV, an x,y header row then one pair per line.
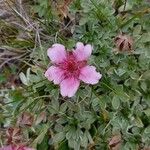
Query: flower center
x,y
71,66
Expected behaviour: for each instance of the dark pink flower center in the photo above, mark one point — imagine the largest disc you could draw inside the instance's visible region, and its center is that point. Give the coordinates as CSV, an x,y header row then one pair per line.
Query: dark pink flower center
x,y
71,66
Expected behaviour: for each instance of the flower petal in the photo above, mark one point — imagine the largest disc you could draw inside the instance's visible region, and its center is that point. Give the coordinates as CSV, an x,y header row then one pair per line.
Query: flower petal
x,y
6,148
89,75
82,52
54,74
69,86
10,147
80,45
57,53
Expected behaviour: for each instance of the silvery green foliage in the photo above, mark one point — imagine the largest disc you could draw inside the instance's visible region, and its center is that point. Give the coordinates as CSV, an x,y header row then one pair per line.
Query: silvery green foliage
x,y
118,104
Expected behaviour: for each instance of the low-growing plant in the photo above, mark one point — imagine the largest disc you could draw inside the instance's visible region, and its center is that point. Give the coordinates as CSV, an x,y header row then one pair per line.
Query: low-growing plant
x,y
114,113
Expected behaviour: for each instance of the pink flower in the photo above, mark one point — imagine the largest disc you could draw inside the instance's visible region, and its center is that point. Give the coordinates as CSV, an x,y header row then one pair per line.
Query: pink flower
x,y
70,67
10,147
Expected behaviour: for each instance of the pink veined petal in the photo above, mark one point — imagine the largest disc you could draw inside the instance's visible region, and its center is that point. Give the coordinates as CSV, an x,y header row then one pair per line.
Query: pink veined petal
x,y
6,148
89,75
69,86
54,74
10,147
23,148
57,53
79,45
82,52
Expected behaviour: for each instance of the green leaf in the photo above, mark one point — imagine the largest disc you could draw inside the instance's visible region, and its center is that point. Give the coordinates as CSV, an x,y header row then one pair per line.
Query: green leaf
x,y
2,78
137,30
116,102
84,140
120,72
147,112
44,144
23,79
117,3
63,146
138,122
71,133
145,37
89,137
28,73
64,107
147,130
83,20
95,104
146,75
102,102
71,143
144,86
41,136
55,94
77,145
59,137
16,95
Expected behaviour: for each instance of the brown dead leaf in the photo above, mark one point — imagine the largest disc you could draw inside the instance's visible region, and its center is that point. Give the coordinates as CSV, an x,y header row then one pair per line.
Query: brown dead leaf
x,y
62,8
13,135
41,117
115,142
124,42
146,148
26,118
